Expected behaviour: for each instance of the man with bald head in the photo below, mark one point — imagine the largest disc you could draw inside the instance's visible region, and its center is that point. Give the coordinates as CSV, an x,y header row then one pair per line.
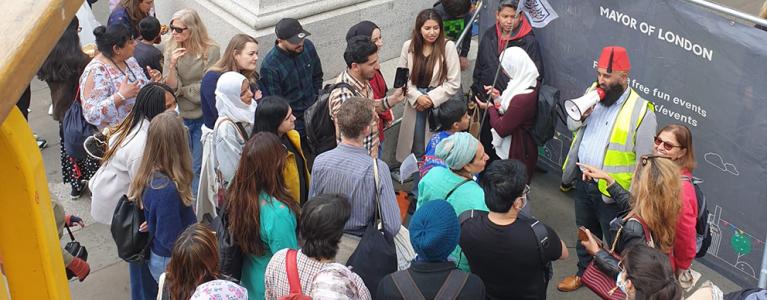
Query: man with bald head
x,y
611,136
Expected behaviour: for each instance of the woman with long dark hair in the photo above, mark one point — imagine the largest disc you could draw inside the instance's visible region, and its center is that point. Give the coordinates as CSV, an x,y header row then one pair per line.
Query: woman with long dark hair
x,y
435,77
262,215
119,166
274,115
647,274
61,71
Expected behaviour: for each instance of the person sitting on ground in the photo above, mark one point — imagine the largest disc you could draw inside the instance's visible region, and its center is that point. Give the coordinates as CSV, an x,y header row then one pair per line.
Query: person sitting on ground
x,y
647,274
275,115
194,264
434,233
146,54
464,156
653,208
452,118
348,169
261,214
501,246
322,225
162,187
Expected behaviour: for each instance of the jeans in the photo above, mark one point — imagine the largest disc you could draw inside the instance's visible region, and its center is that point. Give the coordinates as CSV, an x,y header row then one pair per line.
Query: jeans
x,y
419,145
195,145
594,214
157,265
142,285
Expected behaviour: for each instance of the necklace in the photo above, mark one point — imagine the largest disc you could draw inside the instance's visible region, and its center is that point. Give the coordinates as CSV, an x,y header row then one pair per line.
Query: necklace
x,y
123,72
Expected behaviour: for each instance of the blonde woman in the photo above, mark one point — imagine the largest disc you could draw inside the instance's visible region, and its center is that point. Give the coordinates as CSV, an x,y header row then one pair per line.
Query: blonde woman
x,y
653,207
188,55
162,186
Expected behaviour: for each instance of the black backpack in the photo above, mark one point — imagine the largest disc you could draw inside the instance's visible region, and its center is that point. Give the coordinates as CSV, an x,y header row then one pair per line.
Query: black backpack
x,y
541,235
320,129
546,114
703,232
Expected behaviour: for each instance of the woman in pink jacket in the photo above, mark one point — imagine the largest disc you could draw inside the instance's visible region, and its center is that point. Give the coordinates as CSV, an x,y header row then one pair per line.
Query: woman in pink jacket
x,y
675,142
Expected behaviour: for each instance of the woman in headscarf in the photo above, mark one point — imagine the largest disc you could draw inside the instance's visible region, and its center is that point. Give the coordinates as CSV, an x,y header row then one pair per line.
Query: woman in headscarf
x,y
378,83
465,157
512,114
236,110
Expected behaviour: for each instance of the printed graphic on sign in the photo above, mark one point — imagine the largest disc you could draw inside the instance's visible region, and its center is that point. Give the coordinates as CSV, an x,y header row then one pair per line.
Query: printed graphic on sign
x,y
741,243
716,160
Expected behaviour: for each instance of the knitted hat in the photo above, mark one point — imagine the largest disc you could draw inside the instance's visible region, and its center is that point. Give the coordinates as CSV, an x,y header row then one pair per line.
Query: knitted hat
x,y
457,150
434,231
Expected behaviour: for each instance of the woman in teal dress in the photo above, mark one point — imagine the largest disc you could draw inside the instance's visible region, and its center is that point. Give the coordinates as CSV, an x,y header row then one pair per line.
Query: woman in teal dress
x,y
261,214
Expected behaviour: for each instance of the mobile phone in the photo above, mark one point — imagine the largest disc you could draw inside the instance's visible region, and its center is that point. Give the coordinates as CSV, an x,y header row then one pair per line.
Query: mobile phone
x,y
582,235
401,78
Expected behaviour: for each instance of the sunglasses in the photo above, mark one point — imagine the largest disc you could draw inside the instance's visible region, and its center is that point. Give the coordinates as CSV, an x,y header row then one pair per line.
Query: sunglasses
x,y
178,29
666,145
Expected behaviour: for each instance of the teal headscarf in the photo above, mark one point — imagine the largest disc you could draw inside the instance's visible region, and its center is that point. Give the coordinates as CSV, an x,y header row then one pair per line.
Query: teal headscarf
x,y
457,150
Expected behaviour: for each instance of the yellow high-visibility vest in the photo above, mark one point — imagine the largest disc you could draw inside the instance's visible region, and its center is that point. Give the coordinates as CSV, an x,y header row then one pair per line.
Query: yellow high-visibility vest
x,y
620,158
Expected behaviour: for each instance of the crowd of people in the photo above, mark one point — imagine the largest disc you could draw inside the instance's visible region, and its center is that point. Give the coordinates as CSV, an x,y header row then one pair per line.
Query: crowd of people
x,y
192,134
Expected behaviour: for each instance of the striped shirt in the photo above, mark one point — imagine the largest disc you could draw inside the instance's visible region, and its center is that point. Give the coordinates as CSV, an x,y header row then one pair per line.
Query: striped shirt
x,y
364,90
596,135
349,170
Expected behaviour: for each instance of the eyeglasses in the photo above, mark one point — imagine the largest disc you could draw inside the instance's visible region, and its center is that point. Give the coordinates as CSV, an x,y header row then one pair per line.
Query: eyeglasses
x,y
178,29
666,145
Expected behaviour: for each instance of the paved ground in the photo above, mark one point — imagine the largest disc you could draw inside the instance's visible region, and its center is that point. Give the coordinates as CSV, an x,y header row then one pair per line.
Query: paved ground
x,y
109,275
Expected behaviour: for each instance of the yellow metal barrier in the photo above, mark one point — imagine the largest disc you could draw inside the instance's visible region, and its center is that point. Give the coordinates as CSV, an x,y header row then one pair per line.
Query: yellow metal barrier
x,y
29,244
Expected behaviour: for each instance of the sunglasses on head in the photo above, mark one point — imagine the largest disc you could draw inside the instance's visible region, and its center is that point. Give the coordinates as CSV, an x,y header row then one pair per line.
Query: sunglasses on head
x,y
178,29
666,145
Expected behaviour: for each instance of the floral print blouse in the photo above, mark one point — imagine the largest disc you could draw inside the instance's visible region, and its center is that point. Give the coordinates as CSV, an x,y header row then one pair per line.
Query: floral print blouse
x,y
99,101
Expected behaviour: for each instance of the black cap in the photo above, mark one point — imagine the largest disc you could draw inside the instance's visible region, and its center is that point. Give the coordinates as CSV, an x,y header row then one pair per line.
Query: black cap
x,y
290,30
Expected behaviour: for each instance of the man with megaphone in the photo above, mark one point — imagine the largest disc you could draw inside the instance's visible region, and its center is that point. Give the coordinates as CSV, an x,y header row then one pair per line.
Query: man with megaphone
x,y
613,127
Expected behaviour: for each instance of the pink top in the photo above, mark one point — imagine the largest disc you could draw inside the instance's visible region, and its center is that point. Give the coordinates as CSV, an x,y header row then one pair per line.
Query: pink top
x,y
684,243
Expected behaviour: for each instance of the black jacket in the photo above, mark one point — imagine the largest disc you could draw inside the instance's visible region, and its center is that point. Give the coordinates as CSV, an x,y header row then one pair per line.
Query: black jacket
x,y
631,235
488,59
429,278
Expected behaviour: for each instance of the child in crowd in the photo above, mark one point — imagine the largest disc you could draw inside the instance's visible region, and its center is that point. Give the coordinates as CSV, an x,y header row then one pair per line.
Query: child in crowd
x,y
452,118
146,54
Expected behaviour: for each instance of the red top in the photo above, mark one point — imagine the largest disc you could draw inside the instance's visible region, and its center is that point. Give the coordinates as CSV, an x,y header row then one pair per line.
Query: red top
x,y
379,91
684,243
518,119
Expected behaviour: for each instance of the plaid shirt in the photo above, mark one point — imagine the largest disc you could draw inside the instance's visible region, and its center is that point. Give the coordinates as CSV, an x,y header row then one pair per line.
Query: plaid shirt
x,y
364,90
296,78
276,278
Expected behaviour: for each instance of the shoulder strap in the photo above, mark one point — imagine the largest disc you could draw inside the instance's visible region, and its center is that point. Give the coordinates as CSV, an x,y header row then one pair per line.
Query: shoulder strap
x,y
455,188
542,237
343,84
378,213
468,214
406,286
453,285
243,132
291,265
647,234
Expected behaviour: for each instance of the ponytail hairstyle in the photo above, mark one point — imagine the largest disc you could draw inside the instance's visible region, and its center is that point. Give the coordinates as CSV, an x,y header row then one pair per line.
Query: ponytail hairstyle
x,y
650,273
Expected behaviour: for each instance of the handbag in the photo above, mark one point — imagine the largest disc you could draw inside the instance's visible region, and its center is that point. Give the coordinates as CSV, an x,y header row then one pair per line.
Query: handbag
x,y
230,255
291,266
76,129
602,284
74,248
474,119
132,244
376,254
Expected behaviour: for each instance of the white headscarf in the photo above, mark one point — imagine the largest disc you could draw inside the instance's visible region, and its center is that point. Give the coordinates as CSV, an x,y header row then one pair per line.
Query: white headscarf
x,y
228,102
523,74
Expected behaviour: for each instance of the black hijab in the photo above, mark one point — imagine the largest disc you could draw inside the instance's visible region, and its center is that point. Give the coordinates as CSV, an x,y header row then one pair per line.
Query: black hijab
x,y
362,28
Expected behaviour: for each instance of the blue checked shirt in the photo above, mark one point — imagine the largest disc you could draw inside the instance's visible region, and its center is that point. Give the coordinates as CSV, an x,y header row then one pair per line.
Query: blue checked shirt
x,y
295,78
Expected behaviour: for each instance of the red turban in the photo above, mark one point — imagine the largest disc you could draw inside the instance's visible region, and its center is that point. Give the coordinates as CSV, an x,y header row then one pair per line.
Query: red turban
x,y
614,58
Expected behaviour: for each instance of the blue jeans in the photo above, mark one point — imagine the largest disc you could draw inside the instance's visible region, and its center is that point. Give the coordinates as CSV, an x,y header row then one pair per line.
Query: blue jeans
x,y
594,214
157,265
194,127
419,145
142,285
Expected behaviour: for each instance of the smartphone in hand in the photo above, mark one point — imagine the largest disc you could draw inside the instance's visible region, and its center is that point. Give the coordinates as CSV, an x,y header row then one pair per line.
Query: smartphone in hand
x,y
401,78
582,235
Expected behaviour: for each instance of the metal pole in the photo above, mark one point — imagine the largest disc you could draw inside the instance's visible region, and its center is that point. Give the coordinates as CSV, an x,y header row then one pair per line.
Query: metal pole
x,y
468,26
763,273
729,11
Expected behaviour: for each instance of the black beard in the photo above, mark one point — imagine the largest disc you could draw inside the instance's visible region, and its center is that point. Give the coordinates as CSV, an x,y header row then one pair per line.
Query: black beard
x,y
612,94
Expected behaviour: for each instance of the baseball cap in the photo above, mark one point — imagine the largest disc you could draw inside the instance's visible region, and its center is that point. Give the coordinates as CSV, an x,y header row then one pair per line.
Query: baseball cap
x,y
289,29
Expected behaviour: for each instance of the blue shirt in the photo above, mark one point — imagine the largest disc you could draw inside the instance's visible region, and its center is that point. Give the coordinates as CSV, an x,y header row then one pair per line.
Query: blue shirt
x,y
208,98
165,214
596,135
